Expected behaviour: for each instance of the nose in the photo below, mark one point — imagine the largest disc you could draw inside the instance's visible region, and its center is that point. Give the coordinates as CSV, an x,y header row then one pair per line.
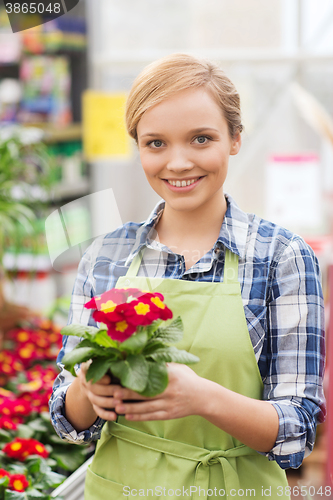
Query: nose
x,y
179,159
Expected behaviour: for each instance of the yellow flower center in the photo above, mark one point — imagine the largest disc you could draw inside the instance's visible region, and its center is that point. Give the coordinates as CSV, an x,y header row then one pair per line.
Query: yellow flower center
x,y
142,308
22,336
157,301
18,485
16,446
26,352
121,326
19,408
108,306
40,448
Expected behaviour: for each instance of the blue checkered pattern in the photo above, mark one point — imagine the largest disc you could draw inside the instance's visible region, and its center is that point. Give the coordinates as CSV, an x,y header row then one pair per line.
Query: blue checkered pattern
x,y
283,304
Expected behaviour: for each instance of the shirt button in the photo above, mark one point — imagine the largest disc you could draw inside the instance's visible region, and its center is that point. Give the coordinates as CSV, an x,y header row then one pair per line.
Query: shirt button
x,y
127,282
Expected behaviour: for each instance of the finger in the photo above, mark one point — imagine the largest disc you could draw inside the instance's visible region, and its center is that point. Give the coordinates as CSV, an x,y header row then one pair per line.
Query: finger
x,y
101,389
136,408
105,402
105,414
144,417
123,393
84,366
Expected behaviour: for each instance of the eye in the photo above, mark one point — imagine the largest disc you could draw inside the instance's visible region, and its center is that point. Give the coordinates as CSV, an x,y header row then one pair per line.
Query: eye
x,y
202,139
156,144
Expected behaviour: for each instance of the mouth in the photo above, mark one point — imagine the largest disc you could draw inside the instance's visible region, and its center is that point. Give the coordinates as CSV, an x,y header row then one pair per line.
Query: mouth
x,y
183,185
182,182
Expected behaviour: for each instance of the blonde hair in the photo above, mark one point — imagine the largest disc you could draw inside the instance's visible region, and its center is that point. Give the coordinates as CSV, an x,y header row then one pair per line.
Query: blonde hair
x,y
173,73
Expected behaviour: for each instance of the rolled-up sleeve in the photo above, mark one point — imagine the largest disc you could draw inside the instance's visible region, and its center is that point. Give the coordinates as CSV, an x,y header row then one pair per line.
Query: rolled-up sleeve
x,y
82,293
295,352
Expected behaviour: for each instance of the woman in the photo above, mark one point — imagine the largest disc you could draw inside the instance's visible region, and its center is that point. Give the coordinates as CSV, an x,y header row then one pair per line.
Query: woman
x,y
250,298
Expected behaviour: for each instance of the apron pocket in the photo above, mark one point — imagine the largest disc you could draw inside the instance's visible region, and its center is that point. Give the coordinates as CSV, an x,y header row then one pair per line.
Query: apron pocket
x,y
98,488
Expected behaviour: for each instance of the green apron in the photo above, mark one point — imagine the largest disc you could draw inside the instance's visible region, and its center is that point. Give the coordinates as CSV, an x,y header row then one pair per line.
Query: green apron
x,y
190,457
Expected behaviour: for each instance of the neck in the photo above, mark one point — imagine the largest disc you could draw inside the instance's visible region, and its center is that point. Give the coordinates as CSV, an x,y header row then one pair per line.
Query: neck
x,y
179,225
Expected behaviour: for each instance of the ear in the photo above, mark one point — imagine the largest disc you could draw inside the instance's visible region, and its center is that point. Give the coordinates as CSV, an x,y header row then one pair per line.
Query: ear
x,y
236,144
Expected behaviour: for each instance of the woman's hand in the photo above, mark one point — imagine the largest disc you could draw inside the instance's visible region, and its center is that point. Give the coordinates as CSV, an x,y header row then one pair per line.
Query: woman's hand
x,y
178,400
99,394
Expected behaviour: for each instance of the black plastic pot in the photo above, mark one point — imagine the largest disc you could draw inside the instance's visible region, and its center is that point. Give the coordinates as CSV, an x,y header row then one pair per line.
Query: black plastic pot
x,y
115,380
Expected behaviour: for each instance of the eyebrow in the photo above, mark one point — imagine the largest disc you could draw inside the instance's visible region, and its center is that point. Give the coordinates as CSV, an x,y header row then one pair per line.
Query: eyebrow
x,y
193,131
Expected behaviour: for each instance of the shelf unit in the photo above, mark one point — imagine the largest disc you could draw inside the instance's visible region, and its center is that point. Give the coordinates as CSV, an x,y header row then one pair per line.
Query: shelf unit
x,y
58,137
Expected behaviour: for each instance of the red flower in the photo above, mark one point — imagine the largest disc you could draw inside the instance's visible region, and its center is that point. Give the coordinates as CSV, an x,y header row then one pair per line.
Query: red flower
x,y
140,312
20,335
107,317
121,330
37,448
9,364
45,374
18,482
8,424
4,395
17,407
21,448
122,310
32,386
17,449
4,473
108,301
156,301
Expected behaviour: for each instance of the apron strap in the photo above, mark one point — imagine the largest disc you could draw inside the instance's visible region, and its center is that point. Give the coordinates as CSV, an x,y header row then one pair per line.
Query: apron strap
x,y
230,275
203,458
135,264
230,267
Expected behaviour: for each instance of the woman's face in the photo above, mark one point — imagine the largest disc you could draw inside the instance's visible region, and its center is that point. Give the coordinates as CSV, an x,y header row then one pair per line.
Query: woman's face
x,y
184,145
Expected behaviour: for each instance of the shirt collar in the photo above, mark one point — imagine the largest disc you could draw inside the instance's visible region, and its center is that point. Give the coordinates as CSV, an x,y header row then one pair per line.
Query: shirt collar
x,y
233,232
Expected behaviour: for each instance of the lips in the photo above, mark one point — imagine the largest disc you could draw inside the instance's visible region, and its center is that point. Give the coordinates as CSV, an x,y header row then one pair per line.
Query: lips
x,y
182,182
192,183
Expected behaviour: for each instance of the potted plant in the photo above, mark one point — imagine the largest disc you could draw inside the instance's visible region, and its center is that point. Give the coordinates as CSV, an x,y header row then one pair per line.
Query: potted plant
x,y
132,343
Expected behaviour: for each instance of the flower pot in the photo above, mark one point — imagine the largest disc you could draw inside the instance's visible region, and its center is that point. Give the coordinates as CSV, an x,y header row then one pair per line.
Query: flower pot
x,y
115,380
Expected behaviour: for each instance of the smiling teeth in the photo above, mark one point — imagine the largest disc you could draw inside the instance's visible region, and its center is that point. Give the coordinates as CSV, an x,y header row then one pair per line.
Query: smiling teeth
x,y
182,183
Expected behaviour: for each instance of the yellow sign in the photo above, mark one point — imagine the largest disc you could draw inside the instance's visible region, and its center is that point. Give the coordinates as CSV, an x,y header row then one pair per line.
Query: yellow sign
x,y
104,131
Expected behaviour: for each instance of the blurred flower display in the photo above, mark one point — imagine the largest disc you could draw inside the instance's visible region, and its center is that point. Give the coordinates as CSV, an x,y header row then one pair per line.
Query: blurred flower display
x,y
33,459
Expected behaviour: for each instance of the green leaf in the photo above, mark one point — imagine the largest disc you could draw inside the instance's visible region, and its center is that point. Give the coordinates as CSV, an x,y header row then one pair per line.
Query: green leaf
x,y
38,425
34,464
102,338
107,352
51,463
157,379
79,330
171,333
135,343
151,329
5,436
15,495
25,431
17,469
46,417
152,346
172,354
53,479
132,372
33,493
68,460
4,481
98,369
76,356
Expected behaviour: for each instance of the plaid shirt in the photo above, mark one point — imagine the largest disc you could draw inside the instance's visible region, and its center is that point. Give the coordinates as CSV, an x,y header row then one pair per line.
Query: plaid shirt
x,y
283,303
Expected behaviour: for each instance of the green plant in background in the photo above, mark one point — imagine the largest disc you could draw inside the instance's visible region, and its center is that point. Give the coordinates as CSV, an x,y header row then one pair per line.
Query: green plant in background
x,y
26,175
